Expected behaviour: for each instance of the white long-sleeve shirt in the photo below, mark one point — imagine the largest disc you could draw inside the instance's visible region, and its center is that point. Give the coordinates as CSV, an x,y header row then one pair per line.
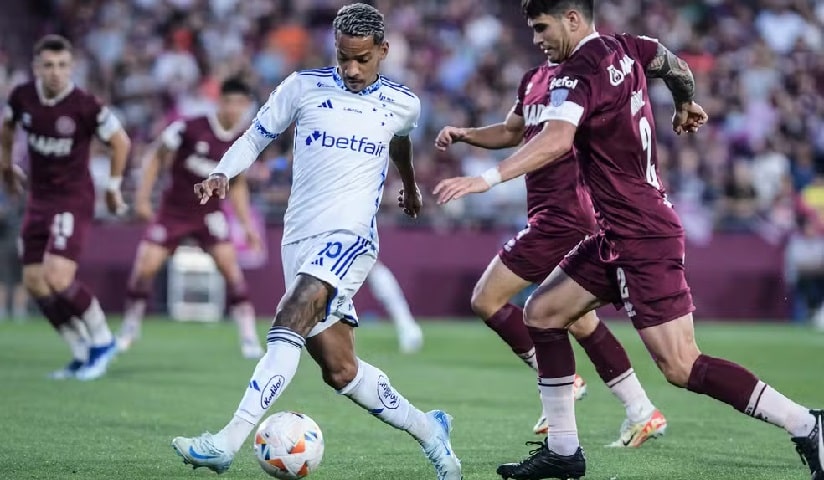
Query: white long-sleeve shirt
x,y
341,148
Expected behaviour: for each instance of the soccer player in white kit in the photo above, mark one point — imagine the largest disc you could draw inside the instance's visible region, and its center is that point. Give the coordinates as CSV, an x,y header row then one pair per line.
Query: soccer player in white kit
x,y
349,121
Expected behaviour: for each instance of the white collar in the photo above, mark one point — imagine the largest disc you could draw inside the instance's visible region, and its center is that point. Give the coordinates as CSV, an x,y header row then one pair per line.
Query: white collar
x,y
220,132
50,102
585,40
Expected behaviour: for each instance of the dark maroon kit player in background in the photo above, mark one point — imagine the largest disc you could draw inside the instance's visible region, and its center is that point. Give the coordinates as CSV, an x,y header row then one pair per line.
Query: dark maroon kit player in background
x,y
60,121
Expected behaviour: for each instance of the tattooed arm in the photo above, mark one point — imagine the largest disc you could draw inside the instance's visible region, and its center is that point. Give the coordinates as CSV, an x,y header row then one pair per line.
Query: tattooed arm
x,y
676,74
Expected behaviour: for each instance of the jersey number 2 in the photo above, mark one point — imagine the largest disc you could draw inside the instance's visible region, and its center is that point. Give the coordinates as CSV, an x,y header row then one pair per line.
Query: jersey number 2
x,y
645,130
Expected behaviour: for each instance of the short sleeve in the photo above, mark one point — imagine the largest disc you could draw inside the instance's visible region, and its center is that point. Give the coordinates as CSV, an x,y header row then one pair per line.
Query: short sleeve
x,y
518,108
172,136
641,48
280,110
106,123
11,110
570,97
411,120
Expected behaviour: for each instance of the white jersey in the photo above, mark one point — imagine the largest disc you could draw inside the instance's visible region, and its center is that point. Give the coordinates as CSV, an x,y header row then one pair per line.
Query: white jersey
x,y
341,148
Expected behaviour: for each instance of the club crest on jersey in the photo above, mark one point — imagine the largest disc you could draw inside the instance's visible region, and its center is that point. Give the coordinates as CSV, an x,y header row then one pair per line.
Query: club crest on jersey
x,y
202,147
65,125
558,96
616,77
26,119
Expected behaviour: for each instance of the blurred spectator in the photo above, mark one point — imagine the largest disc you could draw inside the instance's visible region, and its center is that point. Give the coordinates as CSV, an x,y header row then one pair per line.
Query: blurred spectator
x,y
804,271
13,298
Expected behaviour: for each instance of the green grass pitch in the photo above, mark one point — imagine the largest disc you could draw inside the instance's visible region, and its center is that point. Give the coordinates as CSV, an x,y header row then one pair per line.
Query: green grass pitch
x,y
181,379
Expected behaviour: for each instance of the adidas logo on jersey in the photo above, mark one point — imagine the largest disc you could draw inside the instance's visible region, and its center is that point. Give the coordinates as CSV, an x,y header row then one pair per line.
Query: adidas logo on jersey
x,y
326,104
354,144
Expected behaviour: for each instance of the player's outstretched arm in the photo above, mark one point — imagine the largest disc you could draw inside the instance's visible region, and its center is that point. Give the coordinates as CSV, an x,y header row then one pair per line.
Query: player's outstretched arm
x,y
239,196
120,145
10,182
676,73
549,145
409,199
506,134
154,160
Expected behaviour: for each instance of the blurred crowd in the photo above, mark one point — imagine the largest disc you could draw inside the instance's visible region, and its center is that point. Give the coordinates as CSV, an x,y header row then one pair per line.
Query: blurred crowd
x,y
759,65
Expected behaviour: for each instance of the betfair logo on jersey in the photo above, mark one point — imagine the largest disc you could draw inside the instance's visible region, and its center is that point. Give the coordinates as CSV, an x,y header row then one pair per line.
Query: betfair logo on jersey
x,y
616,77
353,143
50,146
564,82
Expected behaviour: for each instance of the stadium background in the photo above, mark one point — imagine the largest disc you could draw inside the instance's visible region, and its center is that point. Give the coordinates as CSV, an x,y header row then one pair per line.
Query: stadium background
x,y
747,187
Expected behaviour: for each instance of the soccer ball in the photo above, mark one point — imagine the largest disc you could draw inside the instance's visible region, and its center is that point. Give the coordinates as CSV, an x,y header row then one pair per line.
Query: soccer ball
x,y
289,445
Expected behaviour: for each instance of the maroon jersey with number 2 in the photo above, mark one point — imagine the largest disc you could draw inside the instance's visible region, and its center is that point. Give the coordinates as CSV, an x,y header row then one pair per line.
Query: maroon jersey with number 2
x,y
560,212
637,260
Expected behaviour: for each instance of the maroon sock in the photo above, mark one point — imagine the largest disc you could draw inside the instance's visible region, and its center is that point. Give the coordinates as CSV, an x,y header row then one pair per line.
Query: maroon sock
x,y
606,353
722,380
553,350
76,299
508,323
51,308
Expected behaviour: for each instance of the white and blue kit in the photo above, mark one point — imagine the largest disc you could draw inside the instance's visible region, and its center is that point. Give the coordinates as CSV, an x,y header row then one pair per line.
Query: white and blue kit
x,y
341,156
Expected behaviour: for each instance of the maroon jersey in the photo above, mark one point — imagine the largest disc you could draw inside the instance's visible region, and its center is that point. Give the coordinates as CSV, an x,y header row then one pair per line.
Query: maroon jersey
x,y
60,132
198,143
555,201
602,89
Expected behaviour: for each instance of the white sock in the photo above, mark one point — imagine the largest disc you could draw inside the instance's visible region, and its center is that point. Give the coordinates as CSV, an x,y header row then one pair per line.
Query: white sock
x,y
386,289
135,310
75,340
770,406
95,320
371,390
244,317
272,375
629,390
559,408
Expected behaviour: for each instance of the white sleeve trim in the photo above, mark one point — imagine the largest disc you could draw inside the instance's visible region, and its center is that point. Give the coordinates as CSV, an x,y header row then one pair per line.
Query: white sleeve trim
x,y
568,112
107,124
171,138
243,153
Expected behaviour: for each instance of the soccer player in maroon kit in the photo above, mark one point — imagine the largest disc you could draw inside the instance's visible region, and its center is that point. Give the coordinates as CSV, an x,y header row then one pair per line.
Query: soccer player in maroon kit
x,y
60,121
601,107
560,216
191,149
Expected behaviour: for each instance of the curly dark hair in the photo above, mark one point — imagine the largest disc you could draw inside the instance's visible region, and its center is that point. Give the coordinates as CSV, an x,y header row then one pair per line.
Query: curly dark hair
x,y
360,20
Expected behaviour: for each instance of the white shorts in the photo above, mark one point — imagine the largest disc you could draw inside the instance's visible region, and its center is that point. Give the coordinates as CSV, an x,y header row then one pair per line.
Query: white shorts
x,y
341,259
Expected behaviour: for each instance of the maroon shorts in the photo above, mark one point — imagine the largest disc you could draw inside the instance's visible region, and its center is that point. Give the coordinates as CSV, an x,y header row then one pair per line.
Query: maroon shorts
x,y
533,253
206,230
645,277
57,231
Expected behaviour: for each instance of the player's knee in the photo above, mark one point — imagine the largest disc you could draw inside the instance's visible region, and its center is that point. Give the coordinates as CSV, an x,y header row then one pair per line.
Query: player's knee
x,y
676,370
58,279
304,305
35,283
483,305
340,374
544,312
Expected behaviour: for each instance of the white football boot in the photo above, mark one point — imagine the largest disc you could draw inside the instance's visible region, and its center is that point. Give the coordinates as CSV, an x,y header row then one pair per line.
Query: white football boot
x,y
206,450
438,448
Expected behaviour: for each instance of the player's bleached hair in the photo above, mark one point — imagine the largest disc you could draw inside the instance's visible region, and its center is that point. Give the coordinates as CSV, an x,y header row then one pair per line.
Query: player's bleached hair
x,y
536,8
52,43
360,20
